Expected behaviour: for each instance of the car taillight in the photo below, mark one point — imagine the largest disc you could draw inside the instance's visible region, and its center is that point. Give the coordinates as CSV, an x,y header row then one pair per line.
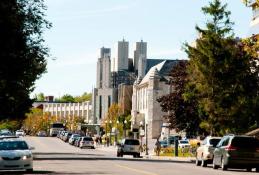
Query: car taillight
x,y
257,149
230,148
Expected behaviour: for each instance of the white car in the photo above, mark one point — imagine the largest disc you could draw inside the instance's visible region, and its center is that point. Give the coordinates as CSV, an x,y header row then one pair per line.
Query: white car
x,y
86,142
19,133
15,155
183,144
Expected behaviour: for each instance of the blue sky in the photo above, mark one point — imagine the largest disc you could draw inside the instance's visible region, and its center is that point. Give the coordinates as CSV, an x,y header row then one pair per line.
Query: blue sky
x,y
81,27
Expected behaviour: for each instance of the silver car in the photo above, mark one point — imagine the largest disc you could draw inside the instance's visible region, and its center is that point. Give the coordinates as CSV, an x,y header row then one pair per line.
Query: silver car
x,y
86,142
15,155
129,147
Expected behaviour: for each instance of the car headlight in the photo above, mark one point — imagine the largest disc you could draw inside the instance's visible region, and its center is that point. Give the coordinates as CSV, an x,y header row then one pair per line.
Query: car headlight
x,y
26,157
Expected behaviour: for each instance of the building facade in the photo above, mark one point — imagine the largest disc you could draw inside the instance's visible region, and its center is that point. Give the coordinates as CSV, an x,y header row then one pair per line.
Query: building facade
x,y
254,24
146,110
64,110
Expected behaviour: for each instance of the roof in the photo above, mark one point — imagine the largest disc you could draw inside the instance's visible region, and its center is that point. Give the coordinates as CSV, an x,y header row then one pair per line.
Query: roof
x,y
163,69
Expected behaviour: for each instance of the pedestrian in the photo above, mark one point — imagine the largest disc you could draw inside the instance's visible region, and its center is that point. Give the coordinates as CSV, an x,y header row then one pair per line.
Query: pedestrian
x,y
157,147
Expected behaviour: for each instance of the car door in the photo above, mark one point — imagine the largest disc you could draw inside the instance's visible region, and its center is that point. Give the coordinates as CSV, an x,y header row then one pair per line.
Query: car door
x,y
217,152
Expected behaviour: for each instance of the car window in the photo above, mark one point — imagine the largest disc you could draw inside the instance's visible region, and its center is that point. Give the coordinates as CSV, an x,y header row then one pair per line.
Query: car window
x,y
131,142
88,139
225,142
245,142
13,145
214,142
184,142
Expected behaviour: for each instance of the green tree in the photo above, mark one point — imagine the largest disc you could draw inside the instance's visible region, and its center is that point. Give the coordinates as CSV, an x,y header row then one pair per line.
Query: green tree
x,y
39,97
23,56
224,76
66,98
182,114
85,97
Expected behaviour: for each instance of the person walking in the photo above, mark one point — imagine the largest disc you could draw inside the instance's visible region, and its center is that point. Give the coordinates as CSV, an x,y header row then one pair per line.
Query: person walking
x,y
157,147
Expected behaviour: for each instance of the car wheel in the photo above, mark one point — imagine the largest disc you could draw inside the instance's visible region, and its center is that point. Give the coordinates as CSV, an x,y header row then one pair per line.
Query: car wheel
x,y
138,154
203,162
118,154
197,162
29,170
223,166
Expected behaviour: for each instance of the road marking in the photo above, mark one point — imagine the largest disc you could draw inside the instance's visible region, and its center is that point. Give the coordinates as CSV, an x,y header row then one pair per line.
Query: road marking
x,y
136,170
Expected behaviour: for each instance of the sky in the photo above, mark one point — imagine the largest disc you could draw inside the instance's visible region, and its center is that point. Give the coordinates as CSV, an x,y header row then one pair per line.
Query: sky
x,y
82,27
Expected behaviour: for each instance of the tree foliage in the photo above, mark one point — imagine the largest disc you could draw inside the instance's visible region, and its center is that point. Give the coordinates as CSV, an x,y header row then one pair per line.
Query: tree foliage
x,y
73,99
22,54
181,113
224,75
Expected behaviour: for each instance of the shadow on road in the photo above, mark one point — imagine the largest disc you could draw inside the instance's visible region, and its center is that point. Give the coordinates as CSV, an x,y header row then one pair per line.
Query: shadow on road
x,y
23,172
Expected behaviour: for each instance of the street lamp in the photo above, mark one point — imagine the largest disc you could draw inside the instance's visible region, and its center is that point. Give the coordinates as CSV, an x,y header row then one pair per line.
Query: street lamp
x,y
106,132
124,127
146,139
110,132
117,123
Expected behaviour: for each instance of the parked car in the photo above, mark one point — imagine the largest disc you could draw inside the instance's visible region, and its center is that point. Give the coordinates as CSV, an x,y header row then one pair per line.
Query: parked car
x,y
72,138
42,134
19,133
5,132
235,151
77,141
204,153
86,142
163,143
129,147
15,155
66,136
183,144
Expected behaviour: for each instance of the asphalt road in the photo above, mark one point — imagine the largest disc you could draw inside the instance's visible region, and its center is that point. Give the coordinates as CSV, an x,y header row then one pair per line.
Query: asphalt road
x,y
54,147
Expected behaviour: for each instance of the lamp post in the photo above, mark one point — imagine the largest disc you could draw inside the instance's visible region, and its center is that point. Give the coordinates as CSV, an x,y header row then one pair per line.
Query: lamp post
x,y
110,132
106,132
146,139
124,127
116,139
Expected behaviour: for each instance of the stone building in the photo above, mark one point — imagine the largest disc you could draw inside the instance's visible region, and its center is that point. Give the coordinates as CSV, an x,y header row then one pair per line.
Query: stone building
x,y
145,108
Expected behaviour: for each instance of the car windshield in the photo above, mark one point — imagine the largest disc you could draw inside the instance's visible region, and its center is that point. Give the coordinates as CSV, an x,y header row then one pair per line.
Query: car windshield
x,y
131,142
214,142
88,139
245,142
57,125
13,145
75,135
184,142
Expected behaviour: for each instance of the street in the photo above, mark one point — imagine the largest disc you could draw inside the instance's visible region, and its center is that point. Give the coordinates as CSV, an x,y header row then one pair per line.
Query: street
x,y
104,161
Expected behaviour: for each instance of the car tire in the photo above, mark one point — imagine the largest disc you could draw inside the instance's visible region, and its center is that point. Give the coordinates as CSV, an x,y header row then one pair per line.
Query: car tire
x,y
197,162
138,155
118,154
203,162
29,170
223,166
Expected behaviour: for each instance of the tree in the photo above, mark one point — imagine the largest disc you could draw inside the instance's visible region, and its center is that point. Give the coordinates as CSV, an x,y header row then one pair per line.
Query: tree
x,y
182,114
23,56
224,75
39,97
66,98
85,97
